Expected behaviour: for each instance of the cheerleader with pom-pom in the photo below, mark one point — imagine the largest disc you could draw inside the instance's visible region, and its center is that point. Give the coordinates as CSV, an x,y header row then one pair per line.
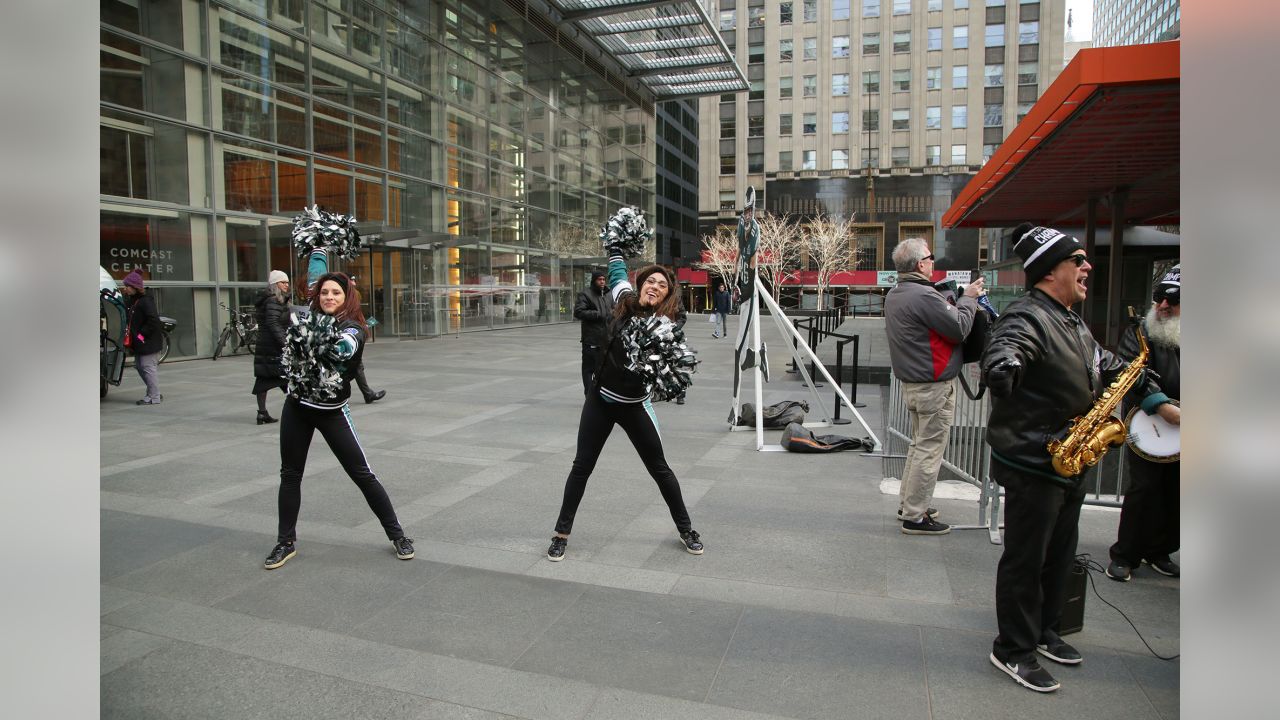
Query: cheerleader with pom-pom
x,y
623,384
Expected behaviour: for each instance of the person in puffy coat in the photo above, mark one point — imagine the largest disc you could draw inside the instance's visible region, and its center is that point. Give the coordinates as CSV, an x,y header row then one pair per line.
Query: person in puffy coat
x,y
144,336
272,306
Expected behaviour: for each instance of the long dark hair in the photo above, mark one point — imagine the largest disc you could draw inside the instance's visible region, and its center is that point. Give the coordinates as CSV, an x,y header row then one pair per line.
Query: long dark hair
x,y
350,309
630,305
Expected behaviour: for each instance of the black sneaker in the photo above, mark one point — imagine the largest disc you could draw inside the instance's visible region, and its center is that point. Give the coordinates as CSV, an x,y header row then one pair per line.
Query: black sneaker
x,y
374,396
1060,652
692,544
280,555
1028,674
927,526
404,548
555,553
930,512
1119,571
1165,566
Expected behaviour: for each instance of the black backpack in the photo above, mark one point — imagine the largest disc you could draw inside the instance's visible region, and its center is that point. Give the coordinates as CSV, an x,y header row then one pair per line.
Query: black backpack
x,y
800,439
777,415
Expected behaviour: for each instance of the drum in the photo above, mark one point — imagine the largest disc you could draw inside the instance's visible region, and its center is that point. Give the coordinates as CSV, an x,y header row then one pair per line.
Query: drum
x,y
1152,437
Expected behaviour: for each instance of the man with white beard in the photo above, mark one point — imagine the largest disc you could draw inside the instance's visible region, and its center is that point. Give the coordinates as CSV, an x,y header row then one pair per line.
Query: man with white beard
x,y
1149,521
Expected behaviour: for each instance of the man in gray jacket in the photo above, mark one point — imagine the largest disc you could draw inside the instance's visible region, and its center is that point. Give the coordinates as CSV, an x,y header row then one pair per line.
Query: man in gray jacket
x,y
925,337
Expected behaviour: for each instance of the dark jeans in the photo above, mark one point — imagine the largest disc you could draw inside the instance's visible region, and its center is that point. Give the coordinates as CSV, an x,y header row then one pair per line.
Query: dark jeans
x,y
590,359
1149,526
297,426
360,381
1041,527
637,420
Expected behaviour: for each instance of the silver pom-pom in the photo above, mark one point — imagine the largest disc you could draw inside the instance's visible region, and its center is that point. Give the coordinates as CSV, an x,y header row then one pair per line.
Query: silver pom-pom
x,y
309,367
625,234
317,229
657,352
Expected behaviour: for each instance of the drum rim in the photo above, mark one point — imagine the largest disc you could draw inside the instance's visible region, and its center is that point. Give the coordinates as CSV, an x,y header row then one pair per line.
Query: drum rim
x,y
1128,421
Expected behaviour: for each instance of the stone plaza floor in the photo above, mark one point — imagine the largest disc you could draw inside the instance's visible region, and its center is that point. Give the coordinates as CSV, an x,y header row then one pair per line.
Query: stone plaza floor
x,y
808,602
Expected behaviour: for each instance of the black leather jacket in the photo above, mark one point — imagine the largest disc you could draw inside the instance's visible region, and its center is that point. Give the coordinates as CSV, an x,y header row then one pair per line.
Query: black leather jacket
x,y
593,308
1063,371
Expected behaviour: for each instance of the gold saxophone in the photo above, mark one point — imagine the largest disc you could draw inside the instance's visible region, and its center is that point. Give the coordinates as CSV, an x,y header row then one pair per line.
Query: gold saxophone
x,y
1089,436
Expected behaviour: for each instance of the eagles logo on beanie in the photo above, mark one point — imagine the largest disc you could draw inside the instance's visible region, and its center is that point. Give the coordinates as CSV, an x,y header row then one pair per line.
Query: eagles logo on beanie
x,y
1171,283
1041,248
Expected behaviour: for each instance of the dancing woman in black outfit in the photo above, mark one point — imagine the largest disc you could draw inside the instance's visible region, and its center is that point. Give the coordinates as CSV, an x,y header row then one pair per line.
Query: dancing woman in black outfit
x,y
304,413
619,397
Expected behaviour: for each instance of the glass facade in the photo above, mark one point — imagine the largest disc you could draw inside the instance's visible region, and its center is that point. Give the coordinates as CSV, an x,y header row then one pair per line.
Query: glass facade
x,y
479,157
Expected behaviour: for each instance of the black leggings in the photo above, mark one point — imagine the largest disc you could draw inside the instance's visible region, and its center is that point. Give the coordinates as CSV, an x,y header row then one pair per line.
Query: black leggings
x,y
637,420
297,425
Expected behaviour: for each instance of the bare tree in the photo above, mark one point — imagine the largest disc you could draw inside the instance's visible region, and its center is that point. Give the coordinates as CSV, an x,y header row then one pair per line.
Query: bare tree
x,y
720,253
778,252
830,248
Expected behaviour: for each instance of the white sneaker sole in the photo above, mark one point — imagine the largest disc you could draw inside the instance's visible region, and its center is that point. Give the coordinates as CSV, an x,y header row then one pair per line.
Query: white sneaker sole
x,y
283,560
1118,578
555,559
688,549
907,531
1019,680
1044,650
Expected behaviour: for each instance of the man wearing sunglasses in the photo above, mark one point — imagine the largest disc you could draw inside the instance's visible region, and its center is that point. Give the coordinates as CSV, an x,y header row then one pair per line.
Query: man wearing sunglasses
x,y
1044,368
1149,526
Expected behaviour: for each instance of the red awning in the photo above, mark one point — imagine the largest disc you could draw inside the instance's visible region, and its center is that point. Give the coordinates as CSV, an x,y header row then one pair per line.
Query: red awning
x,y
1109,121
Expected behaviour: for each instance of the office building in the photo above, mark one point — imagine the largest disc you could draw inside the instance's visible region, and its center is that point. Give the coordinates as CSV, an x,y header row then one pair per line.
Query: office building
x,y
1135,22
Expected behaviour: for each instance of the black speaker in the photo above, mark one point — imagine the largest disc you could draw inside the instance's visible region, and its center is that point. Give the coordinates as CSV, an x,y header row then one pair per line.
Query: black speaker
x,y
1073,605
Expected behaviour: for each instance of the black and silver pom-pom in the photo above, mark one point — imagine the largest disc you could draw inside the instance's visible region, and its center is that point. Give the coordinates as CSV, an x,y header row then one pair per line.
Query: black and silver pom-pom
x,y
317,229
656,351
309,367
625,234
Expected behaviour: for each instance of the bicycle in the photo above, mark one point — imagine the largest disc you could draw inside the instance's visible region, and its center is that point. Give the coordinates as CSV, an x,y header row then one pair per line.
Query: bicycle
x,y
240,332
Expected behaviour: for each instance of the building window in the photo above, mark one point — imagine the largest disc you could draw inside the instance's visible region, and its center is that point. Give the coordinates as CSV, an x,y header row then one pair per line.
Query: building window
x,y
811,10
839,9
934,41
784,159
902,41
784,13
728,19
932,154
993,76
933,117
755,126
995,3
870,120
1028,33
809,122
901,119
935,5
870,8
727,164
1028,73
995,35
960,37
1023,109
958,154
755,162
784,86
811,48
933,78
840,46
871,157
811,86
839,84
871,43
755,90
902,80
727,200
755,53
901,7
960,4
784,124
988,151
960,76
993,115
755,16
839,123
839,159
728,128
808,159
871,81
901,156
959,117
786,49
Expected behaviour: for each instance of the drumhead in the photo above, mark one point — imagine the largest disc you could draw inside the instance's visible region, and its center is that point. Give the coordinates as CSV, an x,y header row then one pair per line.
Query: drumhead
x,y
1153,438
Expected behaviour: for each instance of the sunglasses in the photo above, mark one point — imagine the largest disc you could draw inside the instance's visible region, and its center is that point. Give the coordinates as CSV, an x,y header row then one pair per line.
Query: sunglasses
x,y
1172,299
927,257
1079,260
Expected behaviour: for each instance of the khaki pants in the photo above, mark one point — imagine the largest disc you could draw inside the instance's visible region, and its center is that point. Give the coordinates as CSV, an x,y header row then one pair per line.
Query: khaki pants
x,y
932,408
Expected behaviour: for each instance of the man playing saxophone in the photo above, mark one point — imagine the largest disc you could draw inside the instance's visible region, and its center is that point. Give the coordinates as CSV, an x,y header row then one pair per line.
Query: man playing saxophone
x,y
1044,368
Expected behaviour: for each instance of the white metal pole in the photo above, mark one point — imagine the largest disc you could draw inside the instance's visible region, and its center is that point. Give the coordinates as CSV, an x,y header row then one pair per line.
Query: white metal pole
x,y
755,348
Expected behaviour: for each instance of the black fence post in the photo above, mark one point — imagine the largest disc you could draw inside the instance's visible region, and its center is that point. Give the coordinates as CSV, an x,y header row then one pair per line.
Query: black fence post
x,y
853,395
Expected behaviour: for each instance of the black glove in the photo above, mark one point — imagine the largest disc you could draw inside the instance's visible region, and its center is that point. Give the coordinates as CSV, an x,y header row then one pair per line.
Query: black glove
x,y
1003,377
1148,373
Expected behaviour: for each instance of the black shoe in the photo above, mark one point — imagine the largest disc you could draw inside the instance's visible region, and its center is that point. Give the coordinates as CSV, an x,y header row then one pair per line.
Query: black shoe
x,y
280,555
1060,652
680,401
1119,571
374,396
927,526
404,548
1165,566
1028,674
555,553
265,418
692,544
930,512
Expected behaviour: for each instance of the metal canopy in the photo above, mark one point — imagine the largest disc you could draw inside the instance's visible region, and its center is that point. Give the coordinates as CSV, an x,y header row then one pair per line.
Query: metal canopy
x,y
671,46
1110,122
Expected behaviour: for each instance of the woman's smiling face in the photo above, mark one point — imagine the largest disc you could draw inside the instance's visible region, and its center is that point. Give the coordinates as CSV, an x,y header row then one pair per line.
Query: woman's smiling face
x,y
332,297
654,289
